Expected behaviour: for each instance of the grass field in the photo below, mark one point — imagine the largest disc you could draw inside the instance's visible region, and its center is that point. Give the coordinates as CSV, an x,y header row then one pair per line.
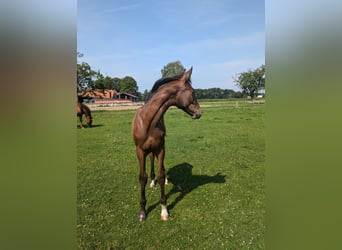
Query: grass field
x,y
216,168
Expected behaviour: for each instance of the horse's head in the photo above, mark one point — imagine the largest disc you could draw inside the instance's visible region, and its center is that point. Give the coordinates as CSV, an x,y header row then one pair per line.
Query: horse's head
x,y
186,99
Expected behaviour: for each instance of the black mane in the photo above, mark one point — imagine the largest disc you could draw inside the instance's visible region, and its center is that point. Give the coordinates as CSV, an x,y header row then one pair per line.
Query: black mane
x,y
80,99
163,81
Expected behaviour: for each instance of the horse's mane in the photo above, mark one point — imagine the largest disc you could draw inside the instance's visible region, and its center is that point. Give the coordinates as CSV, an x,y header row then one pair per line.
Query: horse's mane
x,y
163,81
79,99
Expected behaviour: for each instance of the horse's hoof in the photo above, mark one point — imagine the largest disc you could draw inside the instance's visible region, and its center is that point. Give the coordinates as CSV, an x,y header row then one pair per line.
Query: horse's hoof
x,y
164,217
142,216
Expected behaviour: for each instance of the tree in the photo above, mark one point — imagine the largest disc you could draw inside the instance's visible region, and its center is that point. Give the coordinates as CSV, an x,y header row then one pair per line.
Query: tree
x,y
172,69
145,95
216,93
108,82
84,75
251,81
116,83
99,83
128,85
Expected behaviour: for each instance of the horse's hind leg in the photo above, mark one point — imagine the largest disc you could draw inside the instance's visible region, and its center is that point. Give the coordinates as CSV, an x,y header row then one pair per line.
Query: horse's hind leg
x,y
87,114
89,121
153,176
80,117
152,184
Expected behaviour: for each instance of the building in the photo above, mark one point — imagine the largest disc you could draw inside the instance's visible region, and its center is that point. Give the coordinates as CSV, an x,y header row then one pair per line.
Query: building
x,y
107,96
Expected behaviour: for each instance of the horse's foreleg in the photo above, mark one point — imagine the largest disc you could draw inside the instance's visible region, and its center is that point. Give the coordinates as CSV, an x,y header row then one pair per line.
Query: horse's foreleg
x,y
151,155
143,180
161,179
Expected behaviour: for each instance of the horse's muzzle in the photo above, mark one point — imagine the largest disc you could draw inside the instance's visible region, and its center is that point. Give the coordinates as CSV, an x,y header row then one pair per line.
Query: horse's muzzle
x,y
197,115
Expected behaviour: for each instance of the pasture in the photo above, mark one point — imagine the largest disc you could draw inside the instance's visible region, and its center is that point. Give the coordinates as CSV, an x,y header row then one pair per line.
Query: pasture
x,y
216,171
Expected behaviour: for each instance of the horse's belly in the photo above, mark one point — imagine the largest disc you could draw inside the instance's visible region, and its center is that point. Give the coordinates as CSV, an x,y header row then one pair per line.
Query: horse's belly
x,y
152,143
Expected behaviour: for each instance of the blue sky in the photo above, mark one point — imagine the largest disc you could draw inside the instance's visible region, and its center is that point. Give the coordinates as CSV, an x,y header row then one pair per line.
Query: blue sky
x,y
219,38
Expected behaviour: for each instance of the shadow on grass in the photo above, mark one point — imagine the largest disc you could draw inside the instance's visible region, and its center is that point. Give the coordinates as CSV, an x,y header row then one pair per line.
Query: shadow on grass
x,y
184,182
93,126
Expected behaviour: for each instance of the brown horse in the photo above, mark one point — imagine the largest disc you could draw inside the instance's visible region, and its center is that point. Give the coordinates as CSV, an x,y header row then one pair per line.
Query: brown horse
x,y
148,129
81,110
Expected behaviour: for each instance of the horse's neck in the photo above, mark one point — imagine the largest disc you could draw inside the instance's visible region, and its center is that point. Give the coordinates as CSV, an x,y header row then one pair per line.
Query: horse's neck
x,y
154,113
155,109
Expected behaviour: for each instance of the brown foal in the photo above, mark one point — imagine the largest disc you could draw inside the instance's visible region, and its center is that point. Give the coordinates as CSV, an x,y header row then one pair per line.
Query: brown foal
x,y
148,129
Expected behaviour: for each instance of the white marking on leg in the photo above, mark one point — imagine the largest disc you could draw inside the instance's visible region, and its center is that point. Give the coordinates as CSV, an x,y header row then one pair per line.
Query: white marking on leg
x,y
166,181
164,214
152,184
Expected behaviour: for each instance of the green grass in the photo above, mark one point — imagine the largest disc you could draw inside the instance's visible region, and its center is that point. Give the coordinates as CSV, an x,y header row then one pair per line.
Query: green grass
x,y
216,166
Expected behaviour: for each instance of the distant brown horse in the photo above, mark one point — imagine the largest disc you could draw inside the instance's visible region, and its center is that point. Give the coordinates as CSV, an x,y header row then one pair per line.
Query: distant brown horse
x,y
148,129
83,109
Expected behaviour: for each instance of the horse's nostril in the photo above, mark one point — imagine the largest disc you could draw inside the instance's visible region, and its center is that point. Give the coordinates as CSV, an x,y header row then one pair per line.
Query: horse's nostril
x,y
197,115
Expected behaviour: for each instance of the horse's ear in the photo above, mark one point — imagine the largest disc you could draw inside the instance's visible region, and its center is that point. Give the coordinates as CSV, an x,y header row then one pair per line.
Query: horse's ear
x,y
186,76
